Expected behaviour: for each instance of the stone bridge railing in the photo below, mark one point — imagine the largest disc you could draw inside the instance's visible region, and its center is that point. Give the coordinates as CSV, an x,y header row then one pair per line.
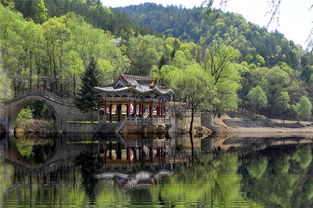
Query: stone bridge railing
x,y
42,93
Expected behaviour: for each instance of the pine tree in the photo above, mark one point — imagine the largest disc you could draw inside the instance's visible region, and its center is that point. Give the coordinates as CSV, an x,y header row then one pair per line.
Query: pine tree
x,y
88,98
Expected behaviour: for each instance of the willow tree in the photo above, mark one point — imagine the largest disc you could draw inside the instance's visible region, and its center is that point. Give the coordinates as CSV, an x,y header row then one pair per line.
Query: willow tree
x,y
193,86
220,63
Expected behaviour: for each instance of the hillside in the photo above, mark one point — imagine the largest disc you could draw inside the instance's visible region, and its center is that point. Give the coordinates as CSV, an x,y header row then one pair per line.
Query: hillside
x,y
230,28
214,63
117,22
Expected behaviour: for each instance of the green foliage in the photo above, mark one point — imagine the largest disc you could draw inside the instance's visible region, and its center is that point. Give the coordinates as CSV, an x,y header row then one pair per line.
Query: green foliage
x,y
257,168
257,98
34,9
282,100
220,63
309,191
218,182
193,86
144,52
24,116
88,98
303,109
58,49
256,44
303,156
277,185
5,82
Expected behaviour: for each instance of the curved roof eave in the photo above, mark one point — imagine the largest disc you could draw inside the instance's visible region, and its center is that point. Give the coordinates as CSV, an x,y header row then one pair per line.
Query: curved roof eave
x,y
130,89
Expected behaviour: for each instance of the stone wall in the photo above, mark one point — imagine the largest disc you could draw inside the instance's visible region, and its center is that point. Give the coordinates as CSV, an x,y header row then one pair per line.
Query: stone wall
x,y
76,127
181,124
181,117
207,120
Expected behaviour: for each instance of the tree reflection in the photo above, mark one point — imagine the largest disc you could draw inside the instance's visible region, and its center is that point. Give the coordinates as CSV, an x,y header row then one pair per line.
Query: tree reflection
x,y
281,179
6,172
109,195
213,180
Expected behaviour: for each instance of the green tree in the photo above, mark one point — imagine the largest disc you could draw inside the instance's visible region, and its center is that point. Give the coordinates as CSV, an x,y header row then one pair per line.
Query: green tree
x,y
220,64
56,34
5,88
282,103
88,98
303,109
74,67
144,52
257,98
193,86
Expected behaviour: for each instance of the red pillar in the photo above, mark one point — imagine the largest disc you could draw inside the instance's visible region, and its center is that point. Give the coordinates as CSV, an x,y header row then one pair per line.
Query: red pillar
x,y
135,108
158,153
161,110
119,111
158,111
151,109
105,156
151,154
128,108
140,154
110,112
105,107
128,155
135,153
142,108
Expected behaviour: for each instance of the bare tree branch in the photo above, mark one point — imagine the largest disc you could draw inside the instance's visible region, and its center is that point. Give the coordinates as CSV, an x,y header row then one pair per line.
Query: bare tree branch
x,y
273,11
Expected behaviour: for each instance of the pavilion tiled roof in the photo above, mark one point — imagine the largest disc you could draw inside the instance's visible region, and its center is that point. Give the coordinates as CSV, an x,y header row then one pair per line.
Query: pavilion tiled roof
x,y
137,84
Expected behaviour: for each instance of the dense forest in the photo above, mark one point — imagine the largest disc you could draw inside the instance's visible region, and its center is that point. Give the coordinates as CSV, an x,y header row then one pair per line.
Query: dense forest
x,y
214,61
198,26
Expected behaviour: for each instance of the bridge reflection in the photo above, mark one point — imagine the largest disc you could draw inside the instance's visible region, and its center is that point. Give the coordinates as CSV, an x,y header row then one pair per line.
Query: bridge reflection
x,y
129,162
111,153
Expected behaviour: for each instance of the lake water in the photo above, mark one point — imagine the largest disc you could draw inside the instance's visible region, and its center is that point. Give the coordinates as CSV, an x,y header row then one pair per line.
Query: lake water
x,y
108,171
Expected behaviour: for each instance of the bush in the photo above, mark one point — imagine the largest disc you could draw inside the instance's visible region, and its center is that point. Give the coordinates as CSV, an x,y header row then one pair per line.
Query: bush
x,y
25,116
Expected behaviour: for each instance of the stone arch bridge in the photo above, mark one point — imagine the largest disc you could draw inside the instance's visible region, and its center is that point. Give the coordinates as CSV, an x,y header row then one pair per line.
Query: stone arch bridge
x,y
64,110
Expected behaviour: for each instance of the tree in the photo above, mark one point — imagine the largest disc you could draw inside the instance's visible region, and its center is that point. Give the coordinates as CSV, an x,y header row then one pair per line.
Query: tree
x,y
88,98
56,34
35,9
74,67
303,109
5,89
220,64
193,86
282,103
144,52
257,98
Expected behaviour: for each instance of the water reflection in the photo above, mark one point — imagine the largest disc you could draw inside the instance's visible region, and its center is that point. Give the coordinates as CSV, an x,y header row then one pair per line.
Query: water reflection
x,y
111,171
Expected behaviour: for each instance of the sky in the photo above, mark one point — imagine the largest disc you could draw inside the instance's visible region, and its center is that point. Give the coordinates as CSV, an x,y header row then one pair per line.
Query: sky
x,y
295,19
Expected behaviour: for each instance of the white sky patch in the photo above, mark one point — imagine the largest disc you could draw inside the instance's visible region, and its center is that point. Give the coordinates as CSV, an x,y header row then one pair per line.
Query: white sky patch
x,y
295,20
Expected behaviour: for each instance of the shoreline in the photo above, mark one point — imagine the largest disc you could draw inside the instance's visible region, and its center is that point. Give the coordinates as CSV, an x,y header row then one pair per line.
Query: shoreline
x,y
270,128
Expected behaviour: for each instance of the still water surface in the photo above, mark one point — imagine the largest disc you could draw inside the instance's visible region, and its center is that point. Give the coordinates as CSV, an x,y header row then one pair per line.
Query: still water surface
x,y
108,171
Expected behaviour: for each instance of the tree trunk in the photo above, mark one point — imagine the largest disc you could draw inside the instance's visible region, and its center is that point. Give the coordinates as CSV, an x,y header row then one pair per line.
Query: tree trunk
x,y
74,83
192,147
30,71
191,122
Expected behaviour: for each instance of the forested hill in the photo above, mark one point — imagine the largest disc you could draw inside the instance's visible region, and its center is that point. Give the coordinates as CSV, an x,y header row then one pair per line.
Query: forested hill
x,y
54,42
197,26
117,22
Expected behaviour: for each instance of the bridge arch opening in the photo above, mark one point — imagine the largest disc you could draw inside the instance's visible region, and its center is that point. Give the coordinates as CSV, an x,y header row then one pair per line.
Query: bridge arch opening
x,y
34,116
35,151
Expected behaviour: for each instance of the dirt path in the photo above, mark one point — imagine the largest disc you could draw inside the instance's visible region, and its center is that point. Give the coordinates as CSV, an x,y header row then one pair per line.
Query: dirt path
x,y
264,126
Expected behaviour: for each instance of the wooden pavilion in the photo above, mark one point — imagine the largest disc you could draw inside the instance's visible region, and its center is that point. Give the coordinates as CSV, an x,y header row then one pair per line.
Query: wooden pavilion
x,y
134,97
